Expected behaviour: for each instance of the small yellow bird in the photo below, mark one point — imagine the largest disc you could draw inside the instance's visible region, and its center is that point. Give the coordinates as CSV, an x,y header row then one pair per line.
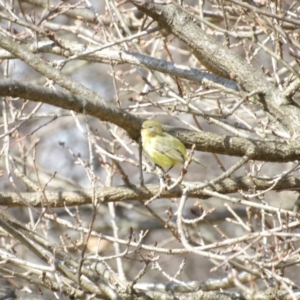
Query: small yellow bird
x,y
164,149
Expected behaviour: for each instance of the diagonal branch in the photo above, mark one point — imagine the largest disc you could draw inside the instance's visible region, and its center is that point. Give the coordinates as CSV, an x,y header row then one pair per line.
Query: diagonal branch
x,y
222,61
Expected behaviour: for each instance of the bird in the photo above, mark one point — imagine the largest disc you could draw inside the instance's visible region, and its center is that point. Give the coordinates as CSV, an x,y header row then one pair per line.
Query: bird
x,y
164,149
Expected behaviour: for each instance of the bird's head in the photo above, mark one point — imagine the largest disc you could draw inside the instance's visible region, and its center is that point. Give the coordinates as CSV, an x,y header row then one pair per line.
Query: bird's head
x,y
151,128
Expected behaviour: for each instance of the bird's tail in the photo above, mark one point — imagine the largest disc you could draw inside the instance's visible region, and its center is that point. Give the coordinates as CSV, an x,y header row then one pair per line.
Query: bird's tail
x,y
198,162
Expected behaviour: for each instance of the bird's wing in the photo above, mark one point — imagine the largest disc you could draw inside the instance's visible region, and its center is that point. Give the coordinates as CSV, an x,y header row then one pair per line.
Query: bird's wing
x,y
169,149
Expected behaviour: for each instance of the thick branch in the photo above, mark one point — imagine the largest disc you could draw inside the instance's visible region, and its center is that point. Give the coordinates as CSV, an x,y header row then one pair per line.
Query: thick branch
x,y
204,141
99,109
123,193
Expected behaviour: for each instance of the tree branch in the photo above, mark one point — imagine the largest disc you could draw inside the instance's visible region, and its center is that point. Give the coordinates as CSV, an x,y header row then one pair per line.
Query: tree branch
x,y
203,141
223,62
138,193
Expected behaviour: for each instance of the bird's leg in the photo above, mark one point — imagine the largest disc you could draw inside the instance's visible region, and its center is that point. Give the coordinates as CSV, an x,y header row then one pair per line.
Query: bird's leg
x,y
159,167
169,169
